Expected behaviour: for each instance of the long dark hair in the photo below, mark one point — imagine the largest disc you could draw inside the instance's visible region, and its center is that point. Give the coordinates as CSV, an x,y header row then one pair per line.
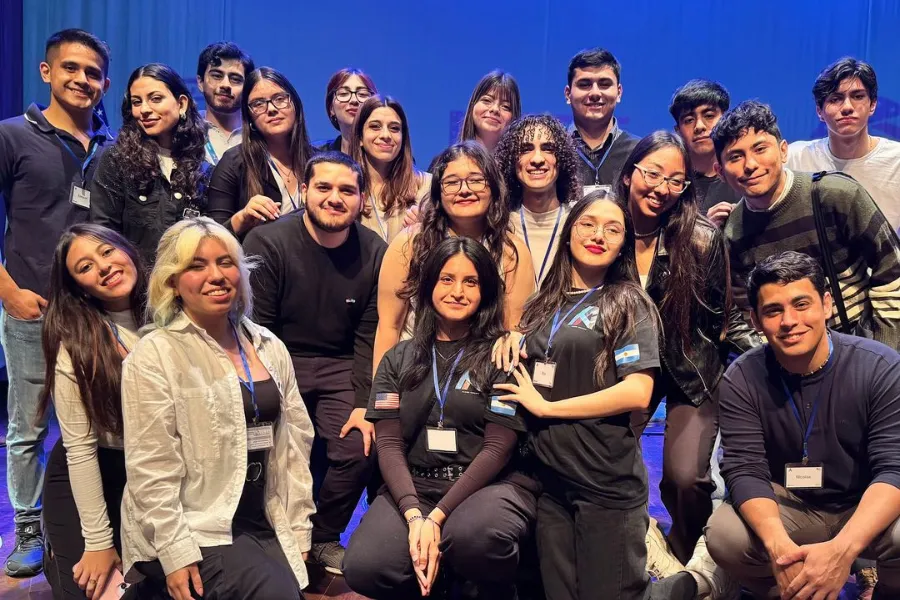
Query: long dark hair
x,y
509,150
686,283
400,185
436,222
505,86
621,299
254,149
136,154
485,326
336,81
77,321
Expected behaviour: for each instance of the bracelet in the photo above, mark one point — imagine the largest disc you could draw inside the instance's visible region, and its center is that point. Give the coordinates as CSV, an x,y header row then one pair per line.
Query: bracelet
x,y
438,525
414,518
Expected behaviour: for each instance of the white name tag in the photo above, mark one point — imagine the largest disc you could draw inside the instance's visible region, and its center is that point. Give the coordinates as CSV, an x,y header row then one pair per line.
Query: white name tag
x,y
544,373
440,440
593,188
80,197
798,476
260,436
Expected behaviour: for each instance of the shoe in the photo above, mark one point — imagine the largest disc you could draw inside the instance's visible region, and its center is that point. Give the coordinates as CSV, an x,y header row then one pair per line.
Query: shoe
x,y
661,563
866,578
713,583
27,558
329,555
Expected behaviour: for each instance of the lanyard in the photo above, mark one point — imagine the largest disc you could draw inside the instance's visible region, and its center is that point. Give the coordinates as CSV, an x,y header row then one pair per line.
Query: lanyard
x,y
615,135
87,161
378,219
815,407
249,383
283,182
212,153
115,330
558,323
442,392
540,275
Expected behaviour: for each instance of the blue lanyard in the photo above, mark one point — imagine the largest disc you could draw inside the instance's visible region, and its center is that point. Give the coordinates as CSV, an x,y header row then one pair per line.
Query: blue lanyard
x,y
815,407
615,135
558,323
115,330
378,219
540,275
283,182
212,153
442,392
87,161
249,383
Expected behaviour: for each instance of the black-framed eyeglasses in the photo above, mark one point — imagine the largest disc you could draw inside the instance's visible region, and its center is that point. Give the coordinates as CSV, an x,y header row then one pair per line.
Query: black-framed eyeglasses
x,y
454,185
676,185
344,94
261,105
612,232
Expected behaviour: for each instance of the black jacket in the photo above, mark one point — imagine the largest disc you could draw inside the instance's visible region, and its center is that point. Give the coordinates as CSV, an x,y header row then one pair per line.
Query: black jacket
x,y
227,192
692,373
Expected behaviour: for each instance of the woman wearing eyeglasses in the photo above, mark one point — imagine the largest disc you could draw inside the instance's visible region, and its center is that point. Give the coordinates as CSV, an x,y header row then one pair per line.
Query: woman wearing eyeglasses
x,y
347,91
259,180
683,265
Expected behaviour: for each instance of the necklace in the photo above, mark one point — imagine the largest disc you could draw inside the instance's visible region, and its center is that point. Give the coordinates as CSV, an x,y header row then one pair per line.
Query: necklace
x,y
287,174
642,236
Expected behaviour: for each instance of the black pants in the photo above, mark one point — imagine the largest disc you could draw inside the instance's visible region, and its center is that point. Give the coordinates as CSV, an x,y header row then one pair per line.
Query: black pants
x,y
589,552
480,543
339,467
253,567
686,487
62,525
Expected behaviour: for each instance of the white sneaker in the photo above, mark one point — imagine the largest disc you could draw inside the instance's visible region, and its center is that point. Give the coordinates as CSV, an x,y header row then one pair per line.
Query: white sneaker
x,y
713,583
661,563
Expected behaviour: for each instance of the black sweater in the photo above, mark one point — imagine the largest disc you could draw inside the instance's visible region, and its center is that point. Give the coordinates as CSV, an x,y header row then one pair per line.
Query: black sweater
x,y
321,302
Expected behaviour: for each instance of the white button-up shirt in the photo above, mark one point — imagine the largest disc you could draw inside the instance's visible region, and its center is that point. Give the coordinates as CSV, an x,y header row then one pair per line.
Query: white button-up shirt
x,y
186,448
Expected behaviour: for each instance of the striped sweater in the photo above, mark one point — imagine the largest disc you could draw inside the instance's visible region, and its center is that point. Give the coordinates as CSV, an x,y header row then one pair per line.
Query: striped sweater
x,y
864,248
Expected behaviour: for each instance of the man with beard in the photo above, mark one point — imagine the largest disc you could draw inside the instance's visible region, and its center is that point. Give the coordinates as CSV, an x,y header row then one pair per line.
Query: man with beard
x,y
221,71
593,91
316,289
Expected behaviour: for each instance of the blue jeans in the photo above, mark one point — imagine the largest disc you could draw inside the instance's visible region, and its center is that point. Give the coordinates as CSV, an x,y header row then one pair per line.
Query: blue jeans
x,y
25,455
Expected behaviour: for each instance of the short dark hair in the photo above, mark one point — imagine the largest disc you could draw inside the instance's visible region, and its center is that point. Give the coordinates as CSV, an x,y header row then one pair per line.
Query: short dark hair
x,y
335,158
698,92
215,53
78,36
831,77
750,114
782,269
594,57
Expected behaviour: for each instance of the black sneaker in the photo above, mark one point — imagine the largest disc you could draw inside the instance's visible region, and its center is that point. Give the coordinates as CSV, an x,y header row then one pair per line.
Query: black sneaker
x,y
329,555
27,558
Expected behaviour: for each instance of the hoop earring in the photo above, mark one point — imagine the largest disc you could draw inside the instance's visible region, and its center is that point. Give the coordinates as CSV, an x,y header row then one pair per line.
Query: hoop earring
x,y
182,117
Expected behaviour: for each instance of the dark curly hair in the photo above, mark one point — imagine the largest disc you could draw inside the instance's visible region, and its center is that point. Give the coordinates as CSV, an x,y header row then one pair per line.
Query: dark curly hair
x,y
749,114
509,149
136,154
436,222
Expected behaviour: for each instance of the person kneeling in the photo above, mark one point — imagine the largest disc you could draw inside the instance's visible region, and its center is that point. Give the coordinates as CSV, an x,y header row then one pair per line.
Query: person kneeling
x,y
445,444
217,438
812,458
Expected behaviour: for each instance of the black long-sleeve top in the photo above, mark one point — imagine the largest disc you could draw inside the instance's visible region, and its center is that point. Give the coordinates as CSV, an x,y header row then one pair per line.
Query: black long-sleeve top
x,y
321,302
854,433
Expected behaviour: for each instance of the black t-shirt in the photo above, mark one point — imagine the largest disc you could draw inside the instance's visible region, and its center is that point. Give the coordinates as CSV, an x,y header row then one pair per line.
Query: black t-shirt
x,y
600,457
251,510
467,409
709,191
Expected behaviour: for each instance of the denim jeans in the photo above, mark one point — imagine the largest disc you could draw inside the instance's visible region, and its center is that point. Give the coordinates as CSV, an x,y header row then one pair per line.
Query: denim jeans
x,y
25,457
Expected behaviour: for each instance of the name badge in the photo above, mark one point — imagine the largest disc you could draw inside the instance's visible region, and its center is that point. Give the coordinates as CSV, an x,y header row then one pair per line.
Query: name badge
x,y
799,476
544,373
440,439
190,213
260,436
593,188
80,196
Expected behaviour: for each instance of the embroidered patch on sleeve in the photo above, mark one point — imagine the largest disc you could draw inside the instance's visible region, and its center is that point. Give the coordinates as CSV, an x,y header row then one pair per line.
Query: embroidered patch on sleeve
x,y
627,354
500,407
387,401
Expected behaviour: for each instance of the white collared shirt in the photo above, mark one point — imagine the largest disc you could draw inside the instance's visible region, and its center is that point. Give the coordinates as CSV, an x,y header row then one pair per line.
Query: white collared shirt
x,y
220,140
186,448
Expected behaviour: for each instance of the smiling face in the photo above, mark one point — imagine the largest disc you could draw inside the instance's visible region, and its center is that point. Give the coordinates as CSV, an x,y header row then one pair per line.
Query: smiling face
x,y
333,199
846,111
222,86
155,108
649,200
594,93
597,236
458,199
76,75
269,119
103,271
793,317
491,114
537,169
382,135
753,165
457,293
210,285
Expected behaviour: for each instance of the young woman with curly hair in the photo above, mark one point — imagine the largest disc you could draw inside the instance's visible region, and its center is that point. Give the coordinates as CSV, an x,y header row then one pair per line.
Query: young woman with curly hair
x,y
540,168
156,173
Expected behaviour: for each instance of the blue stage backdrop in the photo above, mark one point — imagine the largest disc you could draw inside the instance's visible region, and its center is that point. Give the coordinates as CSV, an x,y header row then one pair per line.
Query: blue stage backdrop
x,y
430,54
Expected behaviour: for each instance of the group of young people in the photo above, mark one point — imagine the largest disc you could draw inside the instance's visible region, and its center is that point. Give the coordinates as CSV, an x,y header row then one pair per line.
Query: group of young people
x,y
241,332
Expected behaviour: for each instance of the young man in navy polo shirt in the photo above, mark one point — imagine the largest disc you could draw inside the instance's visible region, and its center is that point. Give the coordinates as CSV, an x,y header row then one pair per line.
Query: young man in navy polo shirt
x,y
47,157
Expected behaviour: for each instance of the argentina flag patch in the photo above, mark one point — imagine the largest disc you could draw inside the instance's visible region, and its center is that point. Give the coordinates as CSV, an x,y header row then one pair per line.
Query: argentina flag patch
x,y
499,407
627,354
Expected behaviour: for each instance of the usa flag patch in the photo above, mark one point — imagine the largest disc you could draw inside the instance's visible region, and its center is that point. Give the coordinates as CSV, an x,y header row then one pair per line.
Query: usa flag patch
x,y
628,354
387,401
